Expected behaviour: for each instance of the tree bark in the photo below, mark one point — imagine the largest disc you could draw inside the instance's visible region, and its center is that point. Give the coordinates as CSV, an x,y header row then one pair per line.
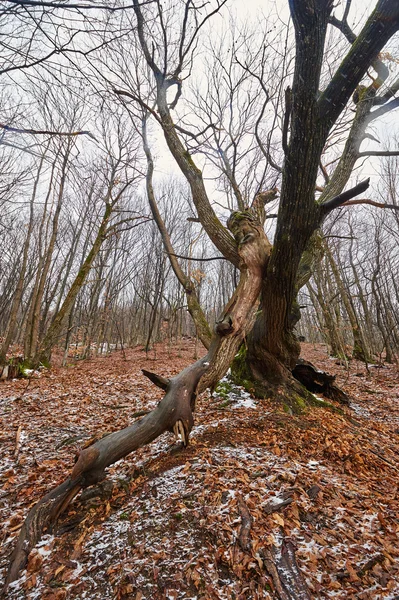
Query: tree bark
x,y
175,411
272,348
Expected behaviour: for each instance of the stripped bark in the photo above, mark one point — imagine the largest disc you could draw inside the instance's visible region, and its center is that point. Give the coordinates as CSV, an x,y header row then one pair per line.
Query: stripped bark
x,y
175,411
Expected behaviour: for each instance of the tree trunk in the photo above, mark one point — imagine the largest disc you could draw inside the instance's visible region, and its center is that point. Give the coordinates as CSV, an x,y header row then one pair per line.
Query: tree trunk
x,y
175,411
56,326
11,325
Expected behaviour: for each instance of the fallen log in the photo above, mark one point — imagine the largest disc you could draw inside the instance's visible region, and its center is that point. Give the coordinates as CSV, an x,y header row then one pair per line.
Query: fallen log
x,y
174,412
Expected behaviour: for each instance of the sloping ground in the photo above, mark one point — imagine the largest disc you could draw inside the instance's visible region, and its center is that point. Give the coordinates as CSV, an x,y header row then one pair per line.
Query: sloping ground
x,y
202,523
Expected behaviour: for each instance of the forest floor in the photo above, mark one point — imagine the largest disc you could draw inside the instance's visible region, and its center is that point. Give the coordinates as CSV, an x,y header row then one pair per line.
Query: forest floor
x,y
169,523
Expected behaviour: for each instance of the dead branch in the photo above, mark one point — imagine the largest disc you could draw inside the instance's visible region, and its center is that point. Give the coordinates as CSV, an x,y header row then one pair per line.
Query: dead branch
x,y
46,131
18,443
283,569
337,201
244,538
196,259
371,203
158,380
271,506
374,560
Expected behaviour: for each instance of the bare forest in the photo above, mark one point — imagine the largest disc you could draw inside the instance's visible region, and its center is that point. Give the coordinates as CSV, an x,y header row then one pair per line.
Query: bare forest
x,y
199,299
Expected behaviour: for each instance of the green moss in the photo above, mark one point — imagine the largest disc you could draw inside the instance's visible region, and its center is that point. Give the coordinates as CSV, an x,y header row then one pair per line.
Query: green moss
x,y
224,404
189,159
223,388
239,369
24,367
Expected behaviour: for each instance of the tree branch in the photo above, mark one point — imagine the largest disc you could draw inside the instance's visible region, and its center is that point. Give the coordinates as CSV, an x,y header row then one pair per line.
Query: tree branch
x,y
372,203
158,380
344,197
378,153
197,259
379,28
46,131
74,6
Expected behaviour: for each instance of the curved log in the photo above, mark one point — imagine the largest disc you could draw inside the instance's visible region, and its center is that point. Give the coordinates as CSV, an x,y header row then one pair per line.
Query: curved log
x,y
175,411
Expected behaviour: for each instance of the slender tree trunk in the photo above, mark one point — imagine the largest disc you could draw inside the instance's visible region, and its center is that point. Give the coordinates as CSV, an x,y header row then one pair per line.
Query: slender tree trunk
x,y
360,348
10,329
32,341
56,326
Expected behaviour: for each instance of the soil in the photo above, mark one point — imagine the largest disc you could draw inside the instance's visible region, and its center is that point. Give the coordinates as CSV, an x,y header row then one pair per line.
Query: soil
x,y
167,523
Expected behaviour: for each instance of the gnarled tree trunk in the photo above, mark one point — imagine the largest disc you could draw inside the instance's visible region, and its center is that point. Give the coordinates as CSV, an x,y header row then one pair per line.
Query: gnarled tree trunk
x,y
175,411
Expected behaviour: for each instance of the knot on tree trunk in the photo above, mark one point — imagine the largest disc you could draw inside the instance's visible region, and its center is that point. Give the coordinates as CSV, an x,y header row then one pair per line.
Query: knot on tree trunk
x,y
253,246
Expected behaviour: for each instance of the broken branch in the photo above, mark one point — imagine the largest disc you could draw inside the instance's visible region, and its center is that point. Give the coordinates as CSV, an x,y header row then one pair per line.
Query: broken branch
x,y
244,538
158,380
337,201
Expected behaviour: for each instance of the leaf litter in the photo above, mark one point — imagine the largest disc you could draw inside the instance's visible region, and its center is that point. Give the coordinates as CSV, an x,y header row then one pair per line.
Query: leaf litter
x,y
168,522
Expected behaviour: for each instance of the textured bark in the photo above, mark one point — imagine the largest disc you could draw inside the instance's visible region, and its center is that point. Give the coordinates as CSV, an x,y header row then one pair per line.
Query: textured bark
x,y
272,348
360,347
318,381
175,411
16,301
288,580
55,329
33,318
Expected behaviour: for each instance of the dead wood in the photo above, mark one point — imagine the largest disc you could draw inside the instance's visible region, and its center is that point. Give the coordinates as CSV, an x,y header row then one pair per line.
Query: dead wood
x,y
12,369
174,412
374,560
313,492
39,520
158,380
288,580
244,537
318,381
272,506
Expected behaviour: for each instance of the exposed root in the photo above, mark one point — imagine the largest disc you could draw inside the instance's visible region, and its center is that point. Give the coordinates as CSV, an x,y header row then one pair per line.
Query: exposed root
x,y
318,381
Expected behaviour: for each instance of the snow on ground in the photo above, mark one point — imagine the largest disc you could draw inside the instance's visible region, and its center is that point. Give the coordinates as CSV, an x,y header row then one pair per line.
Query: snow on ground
x,y
167,525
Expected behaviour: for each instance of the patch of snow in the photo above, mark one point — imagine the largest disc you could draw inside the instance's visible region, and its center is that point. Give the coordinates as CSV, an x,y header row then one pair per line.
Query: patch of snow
x,y
359,410
313,465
